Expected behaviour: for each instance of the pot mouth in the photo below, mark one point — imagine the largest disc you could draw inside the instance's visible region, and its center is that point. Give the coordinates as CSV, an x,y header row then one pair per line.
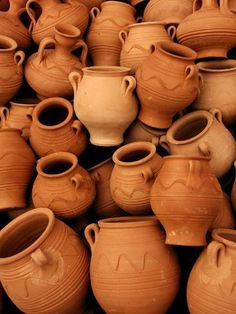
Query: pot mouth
x,y
217,66
176,50
52,113
189,128
100,164
128,222
25,234
185,157
134,154
67,30
118,3
146,24
56,164
7,43
25,102
225,236
107,70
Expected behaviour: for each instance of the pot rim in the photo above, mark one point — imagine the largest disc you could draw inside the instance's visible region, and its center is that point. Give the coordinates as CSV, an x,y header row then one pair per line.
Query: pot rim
x,y
186,53
129,148
118,3
187,119
146,24
41,106
70,31
192,157
8,41
217,235
128,222
23,102
107,70
100,164
19,221
55,157
204,66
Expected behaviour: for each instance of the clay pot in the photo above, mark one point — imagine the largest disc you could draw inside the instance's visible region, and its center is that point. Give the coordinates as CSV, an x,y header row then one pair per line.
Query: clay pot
x,y
132,270
139,132
233,192
104,102
186,197
167,82
212,279
104,205
19,115
202,133
138,41
135,2
16,169
217,88
47,70
92,3
168,11
54,129
44,266
102,39
204,30
70,12
11,24
136,168
63,186
11,71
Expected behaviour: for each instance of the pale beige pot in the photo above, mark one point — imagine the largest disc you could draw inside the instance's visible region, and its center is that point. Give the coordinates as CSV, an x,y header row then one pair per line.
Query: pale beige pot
x,y
218,88
137,42
104,102
202,133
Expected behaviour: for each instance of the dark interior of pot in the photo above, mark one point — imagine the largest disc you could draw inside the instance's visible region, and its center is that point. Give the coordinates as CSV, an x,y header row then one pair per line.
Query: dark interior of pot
x,y
228,236
22,235
134,155
190,130
53,115
57,167
4,45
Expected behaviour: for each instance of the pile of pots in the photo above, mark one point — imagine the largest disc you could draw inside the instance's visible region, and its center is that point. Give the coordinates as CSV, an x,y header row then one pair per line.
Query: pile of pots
x,y
117,154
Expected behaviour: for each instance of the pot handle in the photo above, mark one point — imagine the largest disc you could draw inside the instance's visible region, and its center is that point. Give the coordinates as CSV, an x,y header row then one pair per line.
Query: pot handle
x,y
19,58
217,114
204,149
139,19
75,78
196,5
77,180
4,115
172,30
91,233
95,177
128,84
29,10
43,45
164,143
94,13
201,82
147,174
213,252
84,53
123,35
77,126
29,113
190,71
155,140
39,258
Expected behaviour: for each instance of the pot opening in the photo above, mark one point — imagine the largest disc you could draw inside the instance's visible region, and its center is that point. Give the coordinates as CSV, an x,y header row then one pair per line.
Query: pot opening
x,y
134,155
4,46
53,115
190,130
228,236
177,50
23,235
57,167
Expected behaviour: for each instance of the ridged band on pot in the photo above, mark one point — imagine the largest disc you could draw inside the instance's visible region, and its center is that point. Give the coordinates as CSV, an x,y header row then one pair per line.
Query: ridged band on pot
x,y
136,167
63,186
44,266
54,129
202,133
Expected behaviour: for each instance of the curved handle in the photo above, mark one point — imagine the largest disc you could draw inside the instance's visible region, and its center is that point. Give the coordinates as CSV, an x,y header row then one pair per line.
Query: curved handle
x,y
196,5
95,176
204,149
152,48
147,174
201,82
84,53
172,30
43,45
77,180
164,143
29,113
155,140
91,233
128,84
191,71
139,19
217,114
39,258
94,13
123,35
29,10
19,58
75,78
77,126
4,115
213,252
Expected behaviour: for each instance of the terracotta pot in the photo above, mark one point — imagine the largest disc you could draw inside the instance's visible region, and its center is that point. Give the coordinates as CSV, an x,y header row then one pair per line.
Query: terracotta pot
x,y
104,205
92,3
202,133
19,115
186,197
44,266
17,212
168,11
102,39
212,279
132,270
54,129
136,2
233,192
139,132
70,12
47,70
217,88
204,29
11,71
63,186
137,42
167,82
136,168
104,102
11,24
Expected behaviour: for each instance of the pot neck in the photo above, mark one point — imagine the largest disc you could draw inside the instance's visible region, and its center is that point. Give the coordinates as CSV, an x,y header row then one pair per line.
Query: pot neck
x,y
121,8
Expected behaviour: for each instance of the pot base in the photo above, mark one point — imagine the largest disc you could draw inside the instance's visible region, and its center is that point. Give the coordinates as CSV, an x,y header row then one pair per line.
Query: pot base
x,y
154,120
106,142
